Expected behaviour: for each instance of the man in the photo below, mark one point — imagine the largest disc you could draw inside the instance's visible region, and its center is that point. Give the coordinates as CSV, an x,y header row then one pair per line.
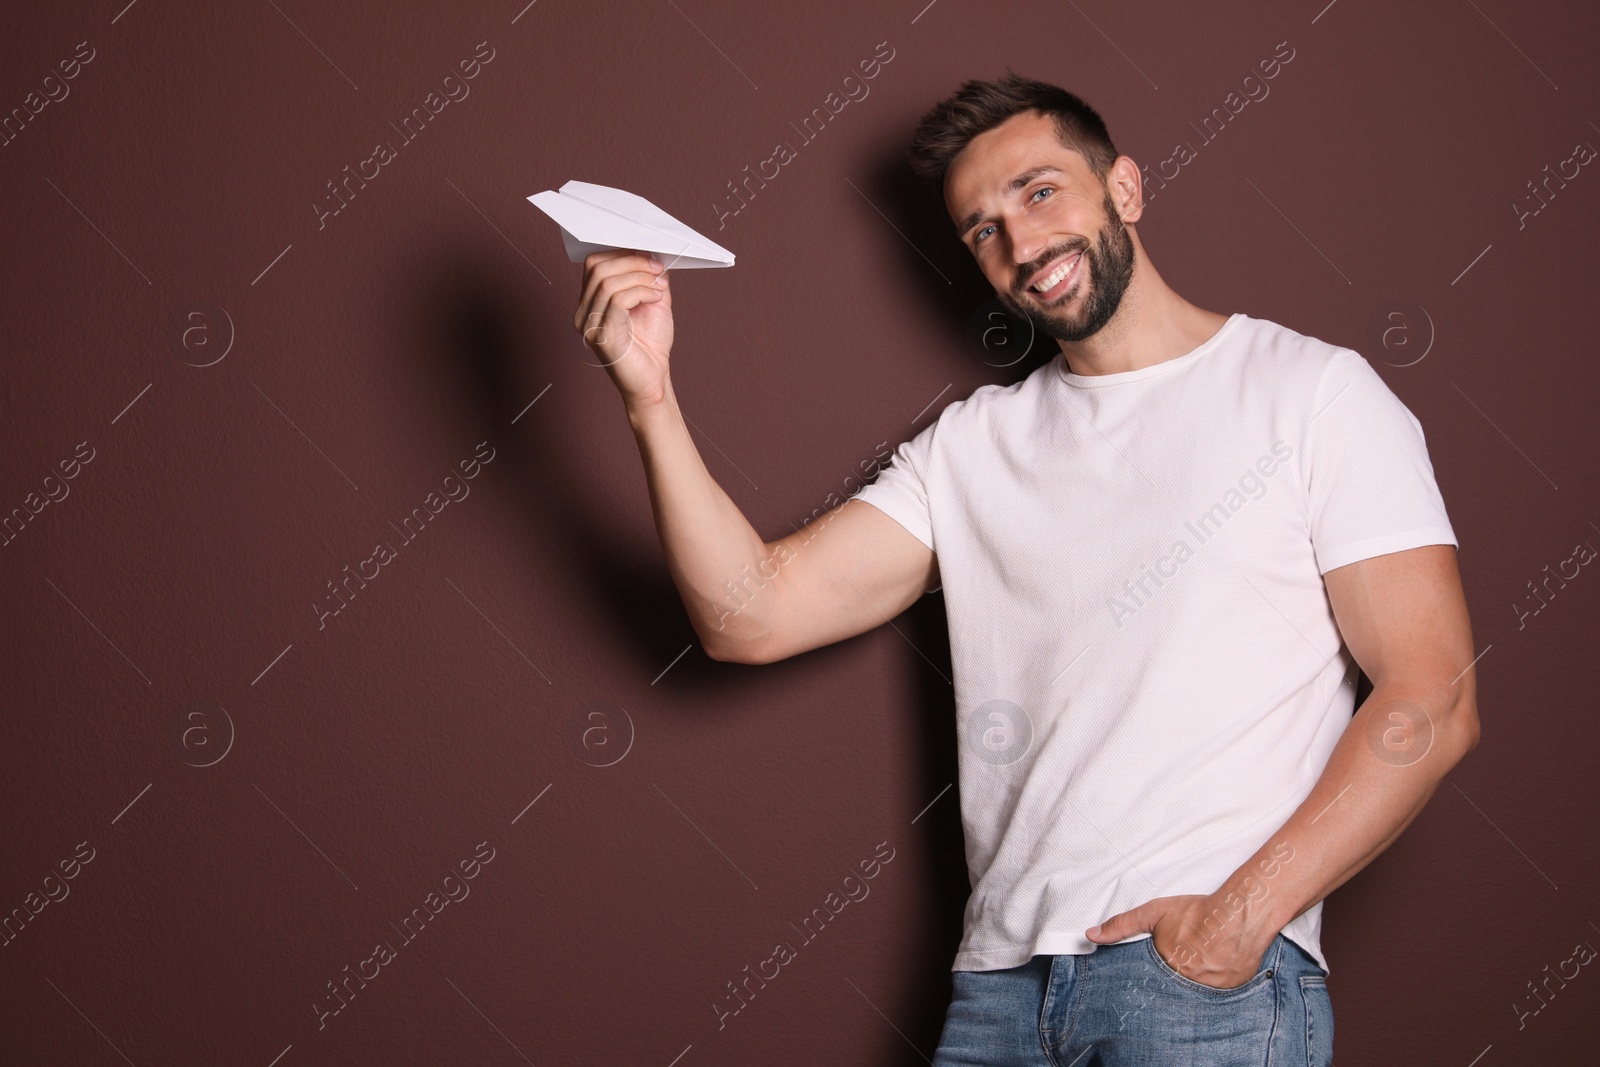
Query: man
x,y
1163,555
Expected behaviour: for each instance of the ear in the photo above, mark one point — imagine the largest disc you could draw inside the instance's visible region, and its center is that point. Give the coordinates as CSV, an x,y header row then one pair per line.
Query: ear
x,y
1126,186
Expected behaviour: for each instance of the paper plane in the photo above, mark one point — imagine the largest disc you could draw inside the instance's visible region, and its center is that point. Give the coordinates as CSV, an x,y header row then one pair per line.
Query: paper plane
x,y
594,218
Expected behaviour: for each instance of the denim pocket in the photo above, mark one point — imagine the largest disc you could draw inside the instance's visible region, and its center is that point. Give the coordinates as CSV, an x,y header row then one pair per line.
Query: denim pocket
x,y
1319,1020
1261,981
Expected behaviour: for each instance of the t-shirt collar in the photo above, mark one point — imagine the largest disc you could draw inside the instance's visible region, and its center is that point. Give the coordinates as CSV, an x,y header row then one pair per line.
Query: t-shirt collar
x,y
1097,381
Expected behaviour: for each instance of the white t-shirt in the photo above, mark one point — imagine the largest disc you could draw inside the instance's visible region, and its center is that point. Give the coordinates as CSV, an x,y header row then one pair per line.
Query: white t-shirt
x,y
1148,675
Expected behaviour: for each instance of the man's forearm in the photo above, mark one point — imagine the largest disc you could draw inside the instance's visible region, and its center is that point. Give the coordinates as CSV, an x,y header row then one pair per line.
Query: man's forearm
x,y
712,550
1390,759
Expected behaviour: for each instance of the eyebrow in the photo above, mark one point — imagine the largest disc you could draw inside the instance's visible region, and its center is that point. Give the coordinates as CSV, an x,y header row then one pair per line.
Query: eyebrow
x,y
1012,186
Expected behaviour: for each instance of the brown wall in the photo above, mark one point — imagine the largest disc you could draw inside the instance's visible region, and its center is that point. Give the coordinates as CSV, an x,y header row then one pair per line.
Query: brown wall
x,y
161,216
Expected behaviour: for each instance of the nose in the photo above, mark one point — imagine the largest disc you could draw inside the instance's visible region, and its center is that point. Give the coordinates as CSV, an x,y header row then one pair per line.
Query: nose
x,y
1028,240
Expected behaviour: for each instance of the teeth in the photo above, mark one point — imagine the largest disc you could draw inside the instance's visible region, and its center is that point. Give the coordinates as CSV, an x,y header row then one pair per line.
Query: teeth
x,y
1056,275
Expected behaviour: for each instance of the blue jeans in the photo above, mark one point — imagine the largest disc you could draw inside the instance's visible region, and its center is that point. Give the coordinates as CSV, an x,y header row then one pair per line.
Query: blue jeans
x,y
1123,1006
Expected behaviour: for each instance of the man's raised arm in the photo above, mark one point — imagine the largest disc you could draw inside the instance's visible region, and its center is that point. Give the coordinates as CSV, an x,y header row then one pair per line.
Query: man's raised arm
x,y
750,601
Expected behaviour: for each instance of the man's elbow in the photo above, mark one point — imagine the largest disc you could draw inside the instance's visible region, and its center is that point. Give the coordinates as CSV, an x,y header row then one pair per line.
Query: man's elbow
x,y
1459,725
722,651
748,652
1466,715
743,636
744,640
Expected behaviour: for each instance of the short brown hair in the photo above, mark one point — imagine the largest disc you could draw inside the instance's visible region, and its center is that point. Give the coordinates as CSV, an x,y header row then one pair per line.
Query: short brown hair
x,y
982,105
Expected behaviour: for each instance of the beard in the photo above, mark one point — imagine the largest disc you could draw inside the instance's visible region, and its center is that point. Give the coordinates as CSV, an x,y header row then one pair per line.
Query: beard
x,y
1110,262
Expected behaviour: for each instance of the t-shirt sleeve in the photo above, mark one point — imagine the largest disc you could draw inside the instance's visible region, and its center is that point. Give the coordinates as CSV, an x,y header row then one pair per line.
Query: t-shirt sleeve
x,y
1369,482
901,490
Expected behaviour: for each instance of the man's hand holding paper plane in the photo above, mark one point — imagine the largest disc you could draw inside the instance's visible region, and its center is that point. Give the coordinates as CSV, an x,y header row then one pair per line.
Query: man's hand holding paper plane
x,y
626,245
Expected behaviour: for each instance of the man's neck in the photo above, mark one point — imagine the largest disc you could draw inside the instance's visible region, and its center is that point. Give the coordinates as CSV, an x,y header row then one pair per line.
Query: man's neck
x,y
1143,332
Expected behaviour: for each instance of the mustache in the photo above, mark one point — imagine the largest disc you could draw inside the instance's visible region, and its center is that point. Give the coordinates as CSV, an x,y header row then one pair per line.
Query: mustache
x,y
1020,286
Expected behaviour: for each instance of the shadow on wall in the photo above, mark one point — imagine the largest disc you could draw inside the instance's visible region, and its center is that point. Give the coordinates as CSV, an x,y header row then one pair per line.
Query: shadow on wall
x,y
473,320
476,321
926,991
955,300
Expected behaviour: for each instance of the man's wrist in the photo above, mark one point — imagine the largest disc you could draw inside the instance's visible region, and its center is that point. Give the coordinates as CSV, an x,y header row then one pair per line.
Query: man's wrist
x,y
1257,900
1232,918
642,413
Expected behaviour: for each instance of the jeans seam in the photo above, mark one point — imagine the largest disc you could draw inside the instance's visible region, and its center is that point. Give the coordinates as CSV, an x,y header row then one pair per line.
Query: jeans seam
x,y
1045,1033
1310,982
1281,989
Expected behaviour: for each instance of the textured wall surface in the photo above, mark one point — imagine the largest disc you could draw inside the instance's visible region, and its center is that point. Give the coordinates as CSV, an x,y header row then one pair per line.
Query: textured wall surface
x,y
226,782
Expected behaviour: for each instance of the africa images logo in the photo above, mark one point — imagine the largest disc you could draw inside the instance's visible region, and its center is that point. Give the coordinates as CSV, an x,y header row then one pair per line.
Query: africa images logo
x,y
1251,486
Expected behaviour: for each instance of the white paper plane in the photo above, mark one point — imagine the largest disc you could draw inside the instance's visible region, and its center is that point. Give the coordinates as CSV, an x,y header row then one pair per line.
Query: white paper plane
x,y
594,218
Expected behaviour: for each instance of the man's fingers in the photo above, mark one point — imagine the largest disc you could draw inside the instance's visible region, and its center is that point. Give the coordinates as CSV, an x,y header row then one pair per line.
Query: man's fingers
x,y
622,297
1120,926
602,262
610,320
600,335
598,270
631,298
606,289
604,254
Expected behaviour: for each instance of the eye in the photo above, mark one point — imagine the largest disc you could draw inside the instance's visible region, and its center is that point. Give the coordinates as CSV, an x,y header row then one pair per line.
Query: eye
x,y
979,235
1041,189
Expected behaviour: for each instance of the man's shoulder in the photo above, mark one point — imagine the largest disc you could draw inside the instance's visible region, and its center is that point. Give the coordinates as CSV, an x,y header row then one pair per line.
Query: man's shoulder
x,y
1290,366
997,399
1271,343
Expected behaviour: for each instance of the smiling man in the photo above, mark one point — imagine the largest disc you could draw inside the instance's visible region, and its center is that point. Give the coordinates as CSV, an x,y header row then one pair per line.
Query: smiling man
x,y
1164,555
